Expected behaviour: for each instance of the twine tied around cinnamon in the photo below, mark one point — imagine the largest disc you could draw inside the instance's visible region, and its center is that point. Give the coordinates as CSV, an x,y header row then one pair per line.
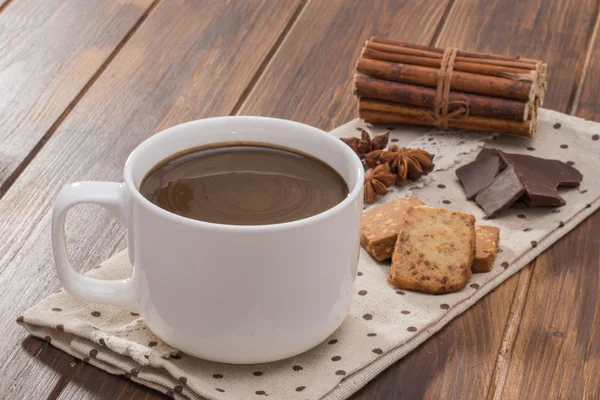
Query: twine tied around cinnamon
x,y
441,116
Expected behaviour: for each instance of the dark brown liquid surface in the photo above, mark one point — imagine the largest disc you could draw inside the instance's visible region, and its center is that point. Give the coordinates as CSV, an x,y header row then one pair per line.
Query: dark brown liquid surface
x,y
244,184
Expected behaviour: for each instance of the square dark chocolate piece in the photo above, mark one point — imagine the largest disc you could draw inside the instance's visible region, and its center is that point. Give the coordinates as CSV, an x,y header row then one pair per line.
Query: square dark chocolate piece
x,y
478,174
503,191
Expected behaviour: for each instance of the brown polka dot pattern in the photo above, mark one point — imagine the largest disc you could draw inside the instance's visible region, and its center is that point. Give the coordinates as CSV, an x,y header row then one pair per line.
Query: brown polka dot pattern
x,y
522,216
336,358
447,202
56,309
400,292
362,292
504,265
152,344
219,390
561,224
564,146
441,186
394,140
60,327
531,148
411,329
297,368
583,191
102,342
257,373
218,376
595,138
534,243
20,318
340,372
178,389
445,306
588,206
300,388
527,230
474,286
359,273
332,341
87,360
134,371
371,334
93,353
405,312
377,351
557,125
367,317
260,392
133,314
95,314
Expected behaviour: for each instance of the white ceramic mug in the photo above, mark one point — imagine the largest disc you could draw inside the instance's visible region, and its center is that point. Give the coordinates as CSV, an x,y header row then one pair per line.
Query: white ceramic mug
x,y
227,293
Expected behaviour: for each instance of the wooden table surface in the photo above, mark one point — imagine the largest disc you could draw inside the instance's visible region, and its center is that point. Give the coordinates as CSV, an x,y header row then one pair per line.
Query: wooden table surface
x,y
83,82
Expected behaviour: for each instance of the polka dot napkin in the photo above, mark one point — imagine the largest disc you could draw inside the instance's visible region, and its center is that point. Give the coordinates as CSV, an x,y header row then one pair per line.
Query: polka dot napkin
x,y
384,323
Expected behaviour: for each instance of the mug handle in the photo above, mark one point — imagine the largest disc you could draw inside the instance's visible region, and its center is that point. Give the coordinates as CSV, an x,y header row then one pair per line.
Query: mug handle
x,y
113,197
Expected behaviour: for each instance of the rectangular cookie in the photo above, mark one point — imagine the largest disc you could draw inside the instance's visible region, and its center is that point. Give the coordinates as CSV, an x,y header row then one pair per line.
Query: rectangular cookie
x,y
434,251
380,226
486,243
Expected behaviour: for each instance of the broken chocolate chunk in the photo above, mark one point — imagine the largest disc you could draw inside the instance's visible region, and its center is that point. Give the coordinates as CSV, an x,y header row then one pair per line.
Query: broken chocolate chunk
x,y
551,170
478,174
485,152
503,191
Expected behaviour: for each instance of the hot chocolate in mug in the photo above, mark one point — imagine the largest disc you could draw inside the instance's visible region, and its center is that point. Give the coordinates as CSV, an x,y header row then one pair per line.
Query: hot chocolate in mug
x,y
227,293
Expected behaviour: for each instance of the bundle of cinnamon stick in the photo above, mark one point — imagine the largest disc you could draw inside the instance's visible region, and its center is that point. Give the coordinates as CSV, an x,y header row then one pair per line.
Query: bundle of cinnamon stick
x,y
402,83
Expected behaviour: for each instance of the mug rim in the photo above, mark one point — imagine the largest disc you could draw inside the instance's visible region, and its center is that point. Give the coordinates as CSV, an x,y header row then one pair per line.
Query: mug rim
x,y
354,192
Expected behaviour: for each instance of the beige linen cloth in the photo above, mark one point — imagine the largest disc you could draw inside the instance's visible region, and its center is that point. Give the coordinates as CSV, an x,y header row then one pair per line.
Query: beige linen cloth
x,y
384,323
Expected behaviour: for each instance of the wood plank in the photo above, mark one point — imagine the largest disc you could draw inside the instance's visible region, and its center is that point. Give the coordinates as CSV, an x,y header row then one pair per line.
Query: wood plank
x,y
50,51
555,31
309,79
188,60
557,351
448,361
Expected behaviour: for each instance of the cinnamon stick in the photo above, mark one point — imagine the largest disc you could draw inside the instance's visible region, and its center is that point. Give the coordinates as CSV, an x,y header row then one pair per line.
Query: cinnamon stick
x,y
425,97
461,81
471,54
378,112
388,48
493,70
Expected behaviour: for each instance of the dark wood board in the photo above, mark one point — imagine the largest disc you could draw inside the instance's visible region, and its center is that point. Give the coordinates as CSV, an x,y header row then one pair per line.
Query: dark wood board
x,y
188,60
50,51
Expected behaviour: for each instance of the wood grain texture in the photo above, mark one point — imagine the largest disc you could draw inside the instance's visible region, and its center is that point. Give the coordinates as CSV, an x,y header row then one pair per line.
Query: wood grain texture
x,y
188,60
50,50
557,350
555,31
309,79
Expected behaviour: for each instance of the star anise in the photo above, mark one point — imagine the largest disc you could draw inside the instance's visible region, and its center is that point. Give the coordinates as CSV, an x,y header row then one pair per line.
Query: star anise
x,y
365,144
377,180
407,164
